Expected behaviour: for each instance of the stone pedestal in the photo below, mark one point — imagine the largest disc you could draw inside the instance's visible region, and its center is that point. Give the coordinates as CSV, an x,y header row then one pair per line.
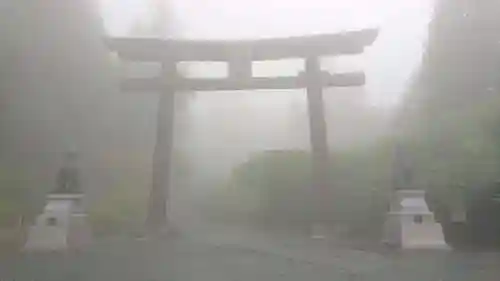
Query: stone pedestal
x,y
61,226
410,224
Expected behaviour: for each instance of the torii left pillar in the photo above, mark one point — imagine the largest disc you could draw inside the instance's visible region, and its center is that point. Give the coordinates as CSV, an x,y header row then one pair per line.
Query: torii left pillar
x,y
162,156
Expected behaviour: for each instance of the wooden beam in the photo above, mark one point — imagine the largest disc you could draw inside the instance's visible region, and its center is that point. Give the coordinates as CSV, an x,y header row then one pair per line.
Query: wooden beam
x,y
240,65
318,135
152,49
162,163
255,83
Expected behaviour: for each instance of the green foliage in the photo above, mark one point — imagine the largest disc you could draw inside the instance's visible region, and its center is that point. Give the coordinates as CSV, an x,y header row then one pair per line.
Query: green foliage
x,y
278,184
279,180
119,211
15,198
452,132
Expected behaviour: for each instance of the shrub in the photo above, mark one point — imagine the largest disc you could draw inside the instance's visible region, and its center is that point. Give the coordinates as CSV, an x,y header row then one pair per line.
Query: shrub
x,y
119,211
15,198
279,183
16,205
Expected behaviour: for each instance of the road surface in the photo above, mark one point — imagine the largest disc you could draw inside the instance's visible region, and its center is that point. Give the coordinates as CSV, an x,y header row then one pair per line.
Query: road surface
x,y
226,254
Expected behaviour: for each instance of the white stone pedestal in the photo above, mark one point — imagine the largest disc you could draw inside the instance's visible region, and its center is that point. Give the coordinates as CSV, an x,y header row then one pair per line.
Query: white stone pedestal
x,y
410,224
61,226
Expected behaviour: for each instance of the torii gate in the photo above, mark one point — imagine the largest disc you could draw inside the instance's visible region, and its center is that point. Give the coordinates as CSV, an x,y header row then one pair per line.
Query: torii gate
x,y
239,55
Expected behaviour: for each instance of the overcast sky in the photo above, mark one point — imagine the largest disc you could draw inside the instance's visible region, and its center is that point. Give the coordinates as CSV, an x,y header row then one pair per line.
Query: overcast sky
x,y
388,64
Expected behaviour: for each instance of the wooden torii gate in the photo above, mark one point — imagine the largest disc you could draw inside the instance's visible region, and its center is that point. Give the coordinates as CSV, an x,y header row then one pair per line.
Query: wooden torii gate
x,y
239,55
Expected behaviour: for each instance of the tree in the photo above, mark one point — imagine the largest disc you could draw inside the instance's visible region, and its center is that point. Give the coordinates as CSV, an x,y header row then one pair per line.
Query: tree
x,y
452,113
57,90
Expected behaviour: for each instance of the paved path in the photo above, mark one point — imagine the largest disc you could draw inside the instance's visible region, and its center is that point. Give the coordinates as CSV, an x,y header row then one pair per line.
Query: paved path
x,y
237,255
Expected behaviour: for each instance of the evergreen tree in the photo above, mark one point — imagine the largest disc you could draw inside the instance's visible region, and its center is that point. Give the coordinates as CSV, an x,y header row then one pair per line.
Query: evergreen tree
x,y
453,110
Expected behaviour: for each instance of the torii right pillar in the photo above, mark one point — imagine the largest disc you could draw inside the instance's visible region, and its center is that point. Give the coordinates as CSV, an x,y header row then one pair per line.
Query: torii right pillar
x,y
320,168
319,142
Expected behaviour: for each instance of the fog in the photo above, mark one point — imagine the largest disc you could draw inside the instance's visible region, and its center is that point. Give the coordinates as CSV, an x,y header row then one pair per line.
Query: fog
x,y
246,194
71,99
221,130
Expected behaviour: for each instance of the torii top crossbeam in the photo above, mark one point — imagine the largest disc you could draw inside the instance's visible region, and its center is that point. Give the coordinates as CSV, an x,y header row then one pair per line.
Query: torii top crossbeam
x,y
240,55
152,49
